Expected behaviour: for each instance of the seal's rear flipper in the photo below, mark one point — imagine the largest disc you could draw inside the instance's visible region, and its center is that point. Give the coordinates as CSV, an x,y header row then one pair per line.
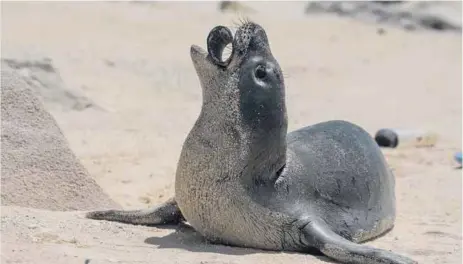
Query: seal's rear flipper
x,y
166,213
319,235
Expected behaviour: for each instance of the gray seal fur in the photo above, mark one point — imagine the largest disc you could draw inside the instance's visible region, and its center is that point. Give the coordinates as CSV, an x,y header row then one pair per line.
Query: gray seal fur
x,y
242,180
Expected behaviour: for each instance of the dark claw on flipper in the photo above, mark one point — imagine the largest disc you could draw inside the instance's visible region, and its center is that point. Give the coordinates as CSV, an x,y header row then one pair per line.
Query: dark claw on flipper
x,y
218,39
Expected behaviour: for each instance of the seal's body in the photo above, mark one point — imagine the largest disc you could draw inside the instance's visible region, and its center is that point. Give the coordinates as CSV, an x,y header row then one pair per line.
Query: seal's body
x,y
334,173
242,180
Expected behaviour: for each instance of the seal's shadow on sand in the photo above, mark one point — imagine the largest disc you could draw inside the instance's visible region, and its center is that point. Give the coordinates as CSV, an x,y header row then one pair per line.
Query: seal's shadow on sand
x,y
185,237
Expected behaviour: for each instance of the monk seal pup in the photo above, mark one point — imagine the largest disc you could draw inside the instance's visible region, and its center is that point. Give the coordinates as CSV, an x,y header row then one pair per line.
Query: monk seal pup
x,y
242,180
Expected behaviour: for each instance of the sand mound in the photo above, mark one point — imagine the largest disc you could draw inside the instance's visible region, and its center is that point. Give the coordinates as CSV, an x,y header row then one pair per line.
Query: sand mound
x,y
47,84
38,168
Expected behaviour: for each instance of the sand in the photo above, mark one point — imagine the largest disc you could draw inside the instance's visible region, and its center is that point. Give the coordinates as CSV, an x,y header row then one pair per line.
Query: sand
x,y
132,61
39,169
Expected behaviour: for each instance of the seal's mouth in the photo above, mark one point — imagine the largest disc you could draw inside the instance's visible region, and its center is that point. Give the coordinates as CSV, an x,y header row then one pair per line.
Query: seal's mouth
x,y
249,36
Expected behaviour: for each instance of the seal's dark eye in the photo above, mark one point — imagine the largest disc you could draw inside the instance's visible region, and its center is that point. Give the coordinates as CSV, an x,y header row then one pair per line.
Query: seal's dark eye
x,y
260,72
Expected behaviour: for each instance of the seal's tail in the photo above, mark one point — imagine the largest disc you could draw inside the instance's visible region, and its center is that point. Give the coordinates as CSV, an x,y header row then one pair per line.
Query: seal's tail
x,y
166,213
320,235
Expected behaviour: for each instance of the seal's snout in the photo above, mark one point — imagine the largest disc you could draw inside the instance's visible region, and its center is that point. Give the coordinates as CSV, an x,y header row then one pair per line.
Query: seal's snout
x,y
249,36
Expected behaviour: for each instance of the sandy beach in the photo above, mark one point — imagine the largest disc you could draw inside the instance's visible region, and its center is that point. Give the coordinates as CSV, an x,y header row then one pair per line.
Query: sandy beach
x,y
131,60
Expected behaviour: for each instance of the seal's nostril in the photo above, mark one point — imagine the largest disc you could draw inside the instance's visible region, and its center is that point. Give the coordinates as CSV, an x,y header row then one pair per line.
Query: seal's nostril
x,y
218,39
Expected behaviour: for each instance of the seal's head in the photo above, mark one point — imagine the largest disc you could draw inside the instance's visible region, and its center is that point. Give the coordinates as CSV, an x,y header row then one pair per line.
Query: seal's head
x,y
250,81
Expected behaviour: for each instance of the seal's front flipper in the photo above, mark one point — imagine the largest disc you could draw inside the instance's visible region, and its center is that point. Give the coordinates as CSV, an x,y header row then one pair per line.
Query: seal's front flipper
x,y
166,213
319,235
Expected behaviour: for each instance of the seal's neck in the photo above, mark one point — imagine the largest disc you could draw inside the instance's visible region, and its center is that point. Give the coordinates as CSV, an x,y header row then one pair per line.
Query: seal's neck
x,y
267,146
246,137
255,139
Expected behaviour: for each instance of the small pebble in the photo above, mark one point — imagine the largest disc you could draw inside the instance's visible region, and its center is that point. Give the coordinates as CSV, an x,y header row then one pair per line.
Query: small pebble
x,y
381,31
458,157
